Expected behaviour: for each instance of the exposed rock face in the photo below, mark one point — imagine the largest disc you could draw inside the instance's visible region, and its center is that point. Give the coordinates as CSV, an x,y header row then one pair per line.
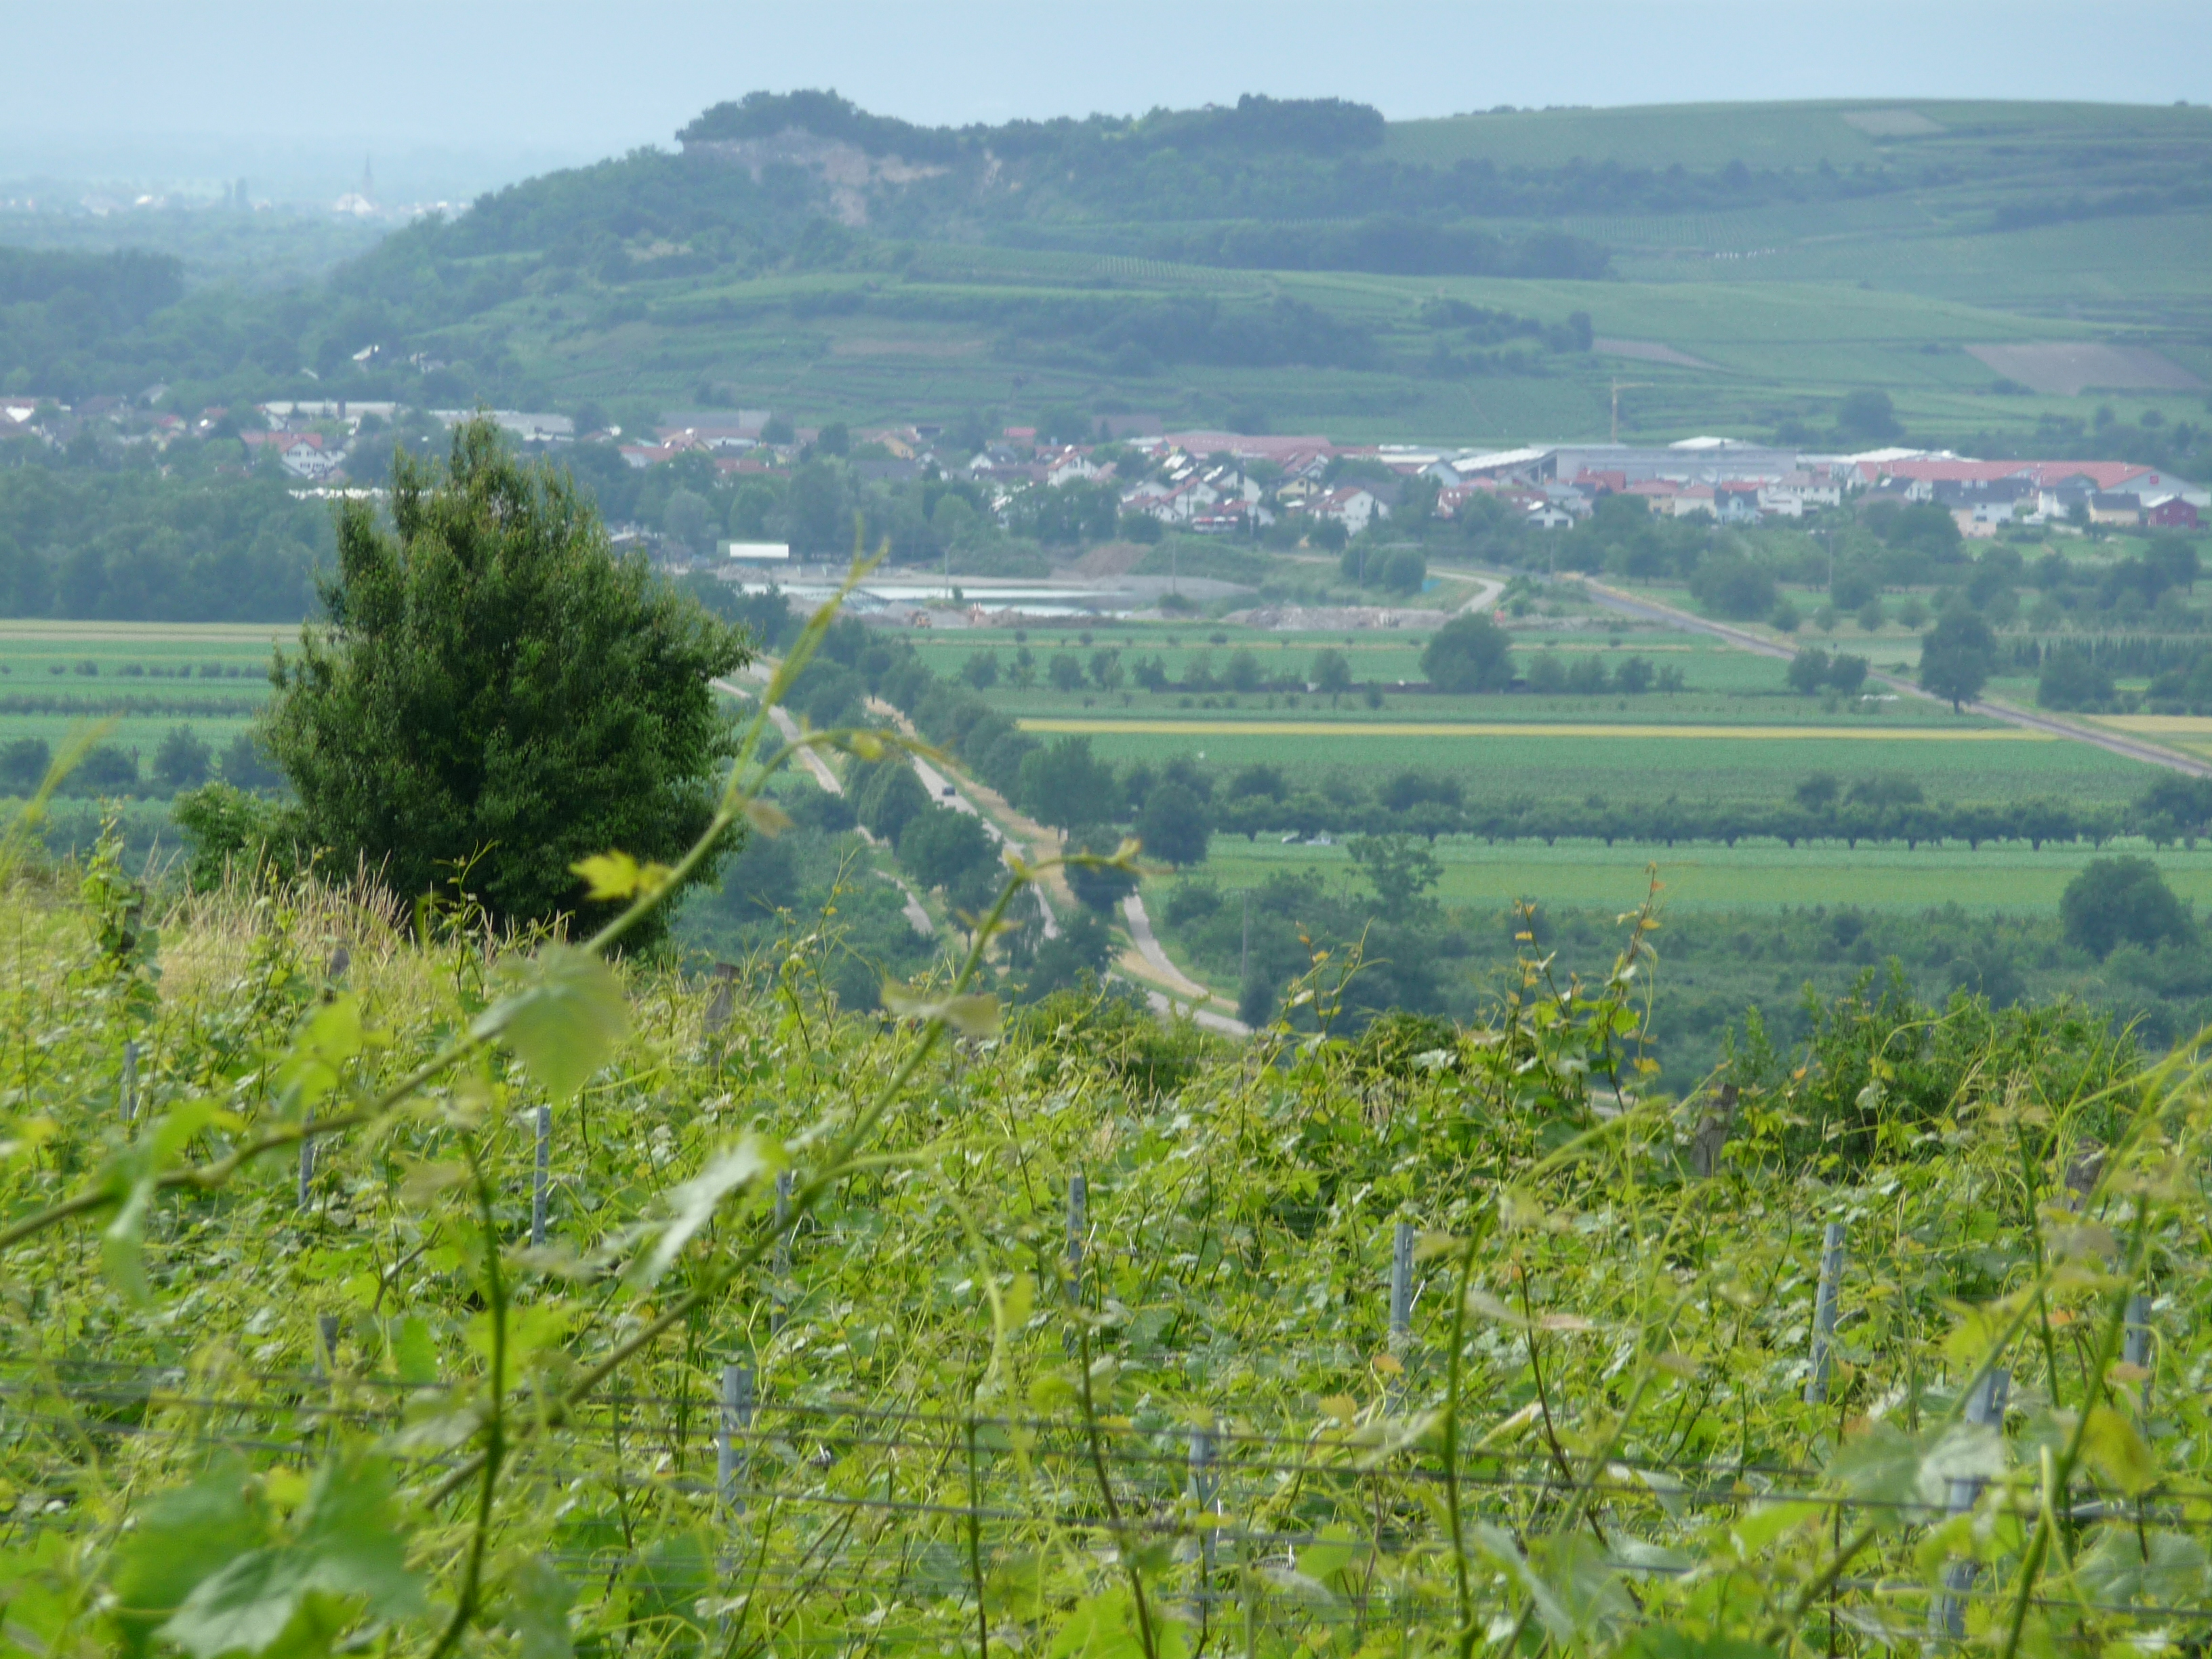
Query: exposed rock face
x,y
848,171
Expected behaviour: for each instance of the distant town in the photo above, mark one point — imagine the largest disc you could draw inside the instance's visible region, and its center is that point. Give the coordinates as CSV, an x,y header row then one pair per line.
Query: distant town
x,y
1197,483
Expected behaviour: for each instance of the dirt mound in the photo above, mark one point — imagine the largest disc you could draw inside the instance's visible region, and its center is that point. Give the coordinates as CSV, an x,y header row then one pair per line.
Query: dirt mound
x,y
1110,559
1328,618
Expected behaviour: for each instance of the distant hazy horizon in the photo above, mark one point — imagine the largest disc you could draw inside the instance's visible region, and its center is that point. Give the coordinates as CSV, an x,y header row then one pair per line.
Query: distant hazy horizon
x,y
457,97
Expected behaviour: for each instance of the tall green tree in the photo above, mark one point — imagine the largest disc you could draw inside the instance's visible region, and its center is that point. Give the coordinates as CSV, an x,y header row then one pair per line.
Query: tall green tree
x,y
1957,657
496,690
1174,825
1067,786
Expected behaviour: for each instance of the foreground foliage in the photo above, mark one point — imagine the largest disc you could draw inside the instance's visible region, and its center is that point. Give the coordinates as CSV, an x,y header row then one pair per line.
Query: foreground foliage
x,y
1062,1339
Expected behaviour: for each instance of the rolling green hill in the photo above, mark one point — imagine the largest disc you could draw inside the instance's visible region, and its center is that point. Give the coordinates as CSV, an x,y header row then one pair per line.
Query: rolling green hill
x,y
1303,264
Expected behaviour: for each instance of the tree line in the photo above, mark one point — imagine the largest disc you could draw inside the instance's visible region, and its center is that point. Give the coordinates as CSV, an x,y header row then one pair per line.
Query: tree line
x,y
134,545
182,761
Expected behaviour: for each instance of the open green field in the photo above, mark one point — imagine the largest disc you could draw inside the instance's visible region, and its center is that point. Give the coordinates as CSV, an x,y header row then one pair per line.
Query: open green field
x,y
1653,765
145,678
1802,134
2003,880
1722,683
1735,731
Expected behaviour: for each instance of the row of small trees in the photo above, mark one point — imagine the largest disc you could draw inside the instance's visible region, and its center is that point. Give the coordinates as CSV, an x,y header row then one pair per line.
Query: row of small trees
x,y
1854,818
183,760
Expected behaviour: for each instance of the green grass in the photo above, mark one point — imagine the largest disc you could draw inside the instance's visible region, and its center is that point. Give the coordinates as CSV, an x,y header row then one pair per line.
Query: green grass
x,y
1811,338
216,708
1696,135
2005,880
1627,770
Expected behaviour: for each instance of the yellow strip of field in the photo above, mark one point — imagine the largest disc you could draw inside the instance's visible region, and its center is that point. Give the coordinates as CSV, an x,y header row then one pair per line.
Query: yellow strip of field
x,y
1532,729
29,630
2157,726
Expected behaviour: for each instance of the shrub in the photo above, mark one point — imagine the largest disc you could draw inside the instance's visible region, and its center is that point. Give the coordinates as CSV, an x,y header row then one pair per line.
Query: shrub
x,y
1100,890
2072,680
1469,653
1174,825
1729,585
24,763
104,770
182,761
890,797
1066,785
246,765
1957,656
2122,900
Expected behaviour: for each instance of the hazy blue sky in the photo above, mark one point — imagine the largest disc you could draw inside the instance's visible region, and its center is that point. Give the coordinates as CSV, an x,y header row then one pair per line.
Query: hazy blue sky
x,y
558,78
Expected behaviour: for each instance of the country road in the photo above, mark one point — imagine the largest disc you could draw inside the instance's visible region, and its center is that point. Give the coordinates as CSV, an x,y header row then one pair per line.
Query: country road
x,y
1485,597
784,723
2115,743
1149,947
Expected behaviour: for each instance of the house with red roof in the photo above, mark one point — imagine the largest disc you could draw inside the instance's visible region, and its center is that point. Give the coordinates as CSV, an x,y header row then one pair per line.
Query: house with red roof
x,y
303,455
1350,506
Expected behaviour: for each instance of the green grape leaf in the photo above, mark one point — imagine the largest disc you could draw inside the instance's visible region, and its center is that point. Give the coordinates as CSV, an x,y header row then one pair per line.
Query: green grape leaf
x,y
1105,1626
976,1016
132,1176
346,1551
537,1609
413,1353
563,1017
327,1039
691,1205
181,1537
2118,1452
2165,1569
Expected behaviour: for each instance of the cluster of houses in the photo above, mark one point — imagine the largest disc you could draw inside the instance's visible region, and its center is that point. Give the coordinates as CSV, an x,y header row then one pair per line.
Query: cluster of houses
x,y
1205,482
310,440
126,422
1212,483
1983,495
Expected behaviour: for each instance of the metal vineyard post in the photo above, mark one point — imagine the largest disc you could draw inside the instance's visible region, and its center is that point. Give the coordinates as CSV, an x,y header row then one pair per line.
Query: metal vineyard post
x,y
1824,1313
737,1419
1947,1614
537,1182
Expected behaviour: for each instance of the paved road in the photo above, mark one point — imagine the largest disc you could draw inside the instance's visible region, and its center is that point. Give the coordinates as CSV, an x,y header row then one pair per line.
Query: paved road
x,y
945,792
1148,946
1164,1004
1485,598
784,723
916,917
2133,749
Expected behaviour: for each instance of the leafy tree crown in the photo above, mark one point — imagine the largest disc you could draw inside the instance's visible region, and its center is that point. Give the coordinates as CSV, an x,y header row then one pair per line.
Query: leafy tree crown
x,y
497,691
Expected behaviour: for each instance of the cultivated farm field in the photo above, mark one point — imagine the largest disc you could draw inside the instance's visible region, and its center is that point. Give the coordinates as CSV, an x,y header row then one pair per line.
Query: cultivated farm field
x,y
2008,880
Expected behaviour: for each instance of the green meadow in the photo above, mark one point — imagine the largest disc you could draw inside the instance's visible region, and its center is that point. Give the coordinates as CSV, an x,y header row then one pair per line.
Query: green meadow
x,y
1735,731
140,679
2008,880
1653,767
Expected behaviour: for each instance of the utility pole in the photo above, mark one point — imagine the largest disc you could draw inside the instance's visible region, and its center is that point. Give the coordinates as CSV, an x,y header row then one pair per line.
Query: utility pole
x,y
1244,956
